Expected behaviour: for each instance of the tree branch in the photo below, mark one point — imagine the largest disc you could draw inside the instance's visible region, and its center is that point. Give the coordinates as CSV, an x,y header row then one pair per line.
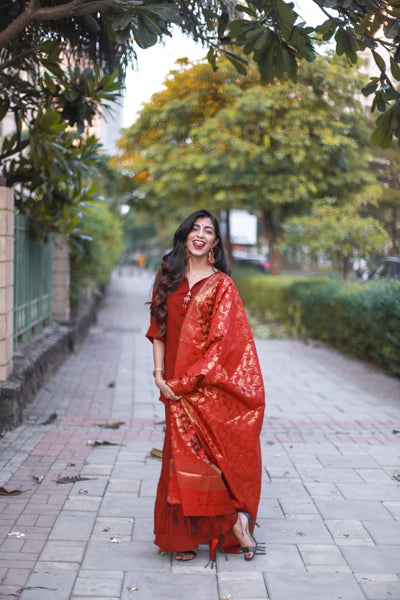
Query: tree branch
x,y
15,59
17,148
74,8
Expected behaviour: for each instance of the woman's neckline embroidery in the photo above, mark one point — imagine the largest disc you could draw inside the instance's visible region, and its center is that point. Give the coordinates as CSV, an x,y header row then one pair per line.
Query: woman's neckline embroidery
x,y
188,296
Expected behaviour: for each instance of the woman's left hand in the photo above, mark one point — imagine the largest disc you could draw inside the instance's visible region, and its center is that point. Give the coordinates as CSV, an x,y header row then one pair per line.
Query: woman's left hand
x,y
165,389
169,394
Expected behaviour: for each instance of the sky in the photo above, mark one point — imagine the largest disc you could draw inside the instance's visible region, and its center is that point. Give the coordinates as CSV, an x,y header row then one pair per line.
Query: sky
x,y
156,62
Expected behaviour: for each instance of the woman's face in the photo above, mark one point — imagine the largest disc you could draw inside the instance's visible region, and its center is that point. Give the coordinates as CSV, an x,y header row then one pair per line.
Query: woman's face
x,y
202,237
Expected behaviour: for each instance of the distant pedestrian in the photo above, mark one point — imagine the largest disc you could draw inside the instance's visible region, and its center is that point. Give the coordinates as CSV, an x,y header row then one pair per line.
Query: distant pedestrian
x,y
207,370
141,260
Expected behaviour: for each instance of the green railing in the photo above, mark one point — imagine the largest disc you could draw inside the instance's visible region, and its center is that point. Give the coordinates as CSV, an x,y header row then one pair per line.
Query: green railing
x,y
32,282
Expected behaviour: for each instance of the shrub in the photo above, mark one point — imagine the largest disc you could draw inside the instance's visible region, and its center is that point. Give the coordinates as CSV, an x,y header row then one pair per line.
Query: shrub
x,y
265,296
95,250
362,319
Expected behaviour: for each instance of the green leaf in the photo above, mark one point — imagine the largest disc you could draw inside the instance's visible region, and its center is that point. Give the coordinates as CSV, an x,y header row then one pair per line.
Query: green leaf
x,y
262,40
222,23
302,42
287,18
153,24
50,83
395,69
391,28
55,69
143,37
247,10
379,61
327,29
238,62
4,106
341,42
239,27
369,89
385,124
169,13
123,20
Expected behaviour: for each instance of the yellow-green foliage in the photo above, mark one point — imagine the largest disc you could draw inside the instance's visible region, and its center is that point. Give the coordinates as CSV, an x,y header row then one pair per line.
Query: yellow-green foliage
x,y
95,248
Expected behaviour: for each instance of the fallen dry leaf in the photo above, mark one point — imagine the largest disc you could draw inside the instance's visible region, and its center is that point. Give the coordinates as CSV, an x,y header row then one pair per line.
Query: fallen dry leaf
x,y
38,478
82,491
105,443
4,492
397,477
395,431
132,588
50,420
111,384
156,452
114,540
73,479
111,425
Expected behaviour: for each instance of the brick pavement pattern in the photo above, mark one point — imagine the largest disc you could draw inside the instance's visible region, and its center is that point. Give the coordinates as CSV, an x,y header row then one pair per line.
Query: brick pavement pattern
x,y
330,506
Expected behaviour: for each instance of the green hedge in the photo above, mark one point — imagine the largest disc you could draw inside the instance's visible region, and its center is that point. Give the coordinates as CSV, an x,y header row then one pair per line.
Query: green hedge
x,y
362,319
265,296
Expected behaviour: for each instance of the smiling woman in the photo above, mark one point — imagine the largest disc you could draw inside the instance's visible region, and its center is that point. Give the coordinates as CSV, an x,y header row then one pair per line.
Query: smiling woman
x,y
207,371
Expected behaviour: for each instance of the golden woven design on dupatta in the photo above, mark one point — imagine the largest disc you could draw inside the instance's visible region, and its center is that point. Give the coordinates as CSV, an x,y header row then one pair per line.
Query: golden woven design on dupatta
x,y
219,418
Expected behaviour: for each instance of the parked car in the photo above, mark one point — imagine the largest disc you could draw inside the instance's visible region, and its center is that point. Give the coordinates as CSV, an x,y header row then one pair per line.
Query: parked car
x,y
252,260
386,268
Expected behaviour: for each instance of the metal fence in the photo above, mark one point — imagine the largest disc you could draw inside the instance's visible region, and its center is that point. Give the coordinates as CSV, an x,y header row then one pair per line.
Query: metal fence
x,y
32,282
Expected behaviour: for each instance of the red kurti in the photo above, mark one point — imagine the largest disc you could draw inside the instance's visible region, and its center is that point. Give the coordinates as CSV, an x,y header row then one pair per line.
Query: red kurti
x,y
211,464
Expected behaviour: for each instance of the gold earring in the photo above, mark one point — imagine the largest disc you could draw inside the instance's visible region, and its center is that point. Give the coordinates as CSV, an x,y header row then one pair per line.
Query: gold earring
x,y
211,256
187,253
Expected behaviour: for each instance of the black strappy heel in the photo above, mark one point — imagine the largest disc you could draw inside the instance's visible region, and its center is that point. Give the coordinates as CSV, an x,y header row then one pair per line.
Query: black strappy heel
x,y
257,548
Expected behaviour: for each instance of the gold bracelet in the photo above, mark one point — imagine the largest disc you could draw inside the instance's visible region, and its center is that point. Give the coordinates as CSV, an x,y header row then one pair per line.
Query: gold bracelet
x,y
158,369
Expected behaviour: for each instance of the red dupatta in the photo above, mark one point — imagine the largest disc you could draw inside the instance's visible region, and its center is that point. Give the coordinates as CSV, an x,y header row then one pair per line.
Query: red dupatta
x,y
216,460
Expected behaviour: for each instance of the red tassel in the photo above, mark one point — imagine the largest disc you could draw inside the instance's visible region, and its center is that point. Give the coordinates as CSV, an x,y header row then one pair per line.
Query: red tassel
x,y
213,547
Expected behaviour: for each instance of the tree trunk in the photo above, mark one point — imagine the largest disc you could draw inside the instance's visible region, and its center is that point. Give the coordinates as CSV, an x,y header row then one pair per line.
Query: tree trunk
x,y
393,230
345,268
274,234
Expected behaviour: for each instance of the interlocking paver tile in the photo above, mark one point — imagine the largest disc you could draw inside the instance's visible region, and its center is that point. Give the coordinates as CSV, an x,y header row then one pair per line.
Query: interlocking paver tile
x,y
329,510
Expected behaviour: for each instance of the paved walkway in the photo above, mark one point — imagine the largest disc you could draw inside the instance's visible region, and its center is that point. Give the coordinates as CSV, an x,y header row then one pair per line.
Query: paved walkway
x,y
330,507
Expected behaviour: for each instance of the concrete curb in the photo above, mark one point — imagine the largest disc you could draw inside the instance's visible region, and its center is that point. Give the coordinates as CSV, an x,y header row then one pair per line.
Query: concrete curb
x,y
38,360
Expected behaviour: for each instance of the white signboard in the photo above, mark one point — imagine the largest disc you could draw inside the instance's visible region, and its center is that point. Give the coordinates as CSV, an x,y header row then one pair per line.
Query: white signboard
x,y
243,227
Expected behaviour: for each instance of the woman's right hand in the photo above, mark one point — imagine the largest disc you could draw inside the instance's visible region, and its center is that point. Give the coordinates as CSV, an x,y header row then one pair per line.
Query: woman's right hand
x,y
164,388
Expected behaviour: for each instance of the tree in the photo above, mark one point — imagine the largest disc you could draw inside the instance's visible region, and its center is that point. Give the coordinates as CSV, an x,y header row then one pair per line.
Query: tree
x,y
50,159
385,163
230,141
270,31
337,233
59,67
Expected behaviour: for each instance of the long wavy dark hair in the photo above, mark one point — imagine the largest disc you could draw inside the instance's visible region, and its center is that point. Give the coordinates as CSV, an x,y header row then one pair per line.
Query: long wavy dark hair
x,y
173,267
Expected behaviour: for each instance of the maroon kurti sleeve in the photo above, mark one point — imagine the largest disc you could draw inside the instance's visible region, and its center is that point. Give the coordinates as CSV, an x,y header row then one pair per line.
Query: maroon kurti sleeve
x,y
153,331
